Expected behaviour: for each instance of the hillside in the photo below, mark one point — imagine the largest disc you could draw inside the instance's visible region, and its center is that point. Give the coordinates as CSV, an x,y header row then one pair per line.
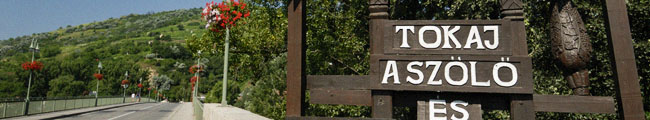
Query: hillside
x,y
152,43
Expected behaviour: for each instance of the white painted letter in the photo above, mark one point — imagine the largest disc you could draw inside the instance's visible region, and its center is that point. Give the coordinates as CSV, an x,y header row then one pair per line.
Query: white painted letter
x,y
405,30
449,34
459,109
434,72
494,29
448,78
495,74
391,65
429,45
472,67
433,110
474,37
409,68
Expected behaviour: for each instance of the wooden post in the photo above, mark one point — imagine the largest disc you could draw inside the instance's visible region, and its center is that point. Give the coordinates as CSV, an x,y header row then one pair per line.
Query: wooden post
x,y
296,105
630,106
382,104
521,106
382,101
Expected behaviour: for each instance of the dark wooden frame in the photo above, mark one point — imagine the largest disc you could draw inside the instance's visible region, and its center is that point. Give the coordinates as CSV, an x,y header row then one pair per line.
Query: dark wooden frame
x,y
355,90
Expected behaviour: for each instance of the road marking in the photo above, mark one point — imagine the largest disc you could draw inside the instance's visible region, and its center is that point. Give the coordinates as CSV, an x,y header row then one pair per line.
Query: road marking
x,y
150,106
122,115
132,112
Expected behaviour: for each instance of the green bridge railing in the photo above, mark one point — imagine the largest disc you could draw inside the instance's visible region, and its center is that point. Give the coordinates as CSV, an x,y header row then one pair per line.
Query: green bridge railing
x,y
16,107
198,108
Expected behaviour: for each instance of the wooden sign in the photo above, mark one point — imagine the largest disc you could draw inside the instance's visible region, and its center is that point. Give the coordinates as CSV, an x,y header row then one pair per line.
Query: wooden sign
x,y
451,56
468,37
463,73
442,109
449,69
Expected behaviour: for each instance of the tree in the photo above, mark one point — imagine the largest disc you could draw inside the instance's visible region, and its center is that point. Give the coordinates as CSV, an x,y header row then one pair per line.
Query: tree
x,y
180,27
65,86
162,82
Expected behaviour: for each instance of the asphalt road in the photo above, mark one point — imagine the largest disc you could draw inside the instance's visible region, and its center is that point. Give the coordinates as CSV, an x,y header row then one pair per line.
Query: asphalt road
x,y
145,111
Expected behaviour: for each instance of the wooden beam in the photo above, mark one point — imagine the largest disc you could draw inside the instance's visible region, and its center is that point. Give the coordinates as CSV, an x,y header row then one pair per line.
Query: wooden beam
x,y
574,104
343,97
521,107
623,63
338,82
296,59
382,104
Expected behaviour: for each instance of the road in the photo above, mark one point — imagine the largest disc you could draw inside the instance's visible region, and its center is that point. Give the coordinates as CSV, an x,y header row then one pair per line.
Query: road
x,y
144,111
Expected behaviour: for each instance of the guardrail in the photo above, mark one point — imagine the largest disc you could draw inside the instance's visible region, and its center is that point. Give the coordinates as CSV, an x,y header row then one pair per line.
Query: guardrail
x,y
198,108
16,107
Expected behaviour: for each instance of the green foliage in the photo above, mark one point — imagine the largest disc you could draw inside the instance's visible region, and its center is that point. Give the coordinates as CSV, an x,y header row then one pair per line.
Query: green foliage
x,y
65,86
162,82
266,96
214,95
180,27
50,51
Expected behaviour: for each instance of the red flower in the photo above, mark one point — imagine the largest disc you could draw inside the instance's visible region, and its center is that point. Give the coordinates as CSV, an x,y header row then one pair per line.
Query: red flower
x,y
194,79
154,92
32,65
196,68
140,85
124,82
98,76
148,88
26,65
230,13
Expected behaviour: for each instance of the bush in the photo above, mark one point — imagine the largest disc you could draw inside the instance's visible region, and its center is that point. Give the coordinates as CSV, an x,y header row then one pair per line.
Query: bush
x,y
65,86
180,27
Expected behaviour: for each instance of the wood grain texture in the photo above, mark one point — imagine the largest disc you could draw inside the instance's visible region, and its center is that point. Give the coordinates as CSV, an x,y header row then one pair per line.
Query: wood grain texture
x,y
623,63
392,40
296,58
574,104
343,97
338,82
524,83
423,113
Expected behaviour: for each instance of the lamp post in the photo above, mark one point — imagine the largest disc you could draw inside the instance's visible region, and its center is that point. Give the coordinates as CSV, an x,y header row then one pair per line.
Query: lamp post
x,y
34,48
99,66
149,94
225,69
139,89
198,64
126,76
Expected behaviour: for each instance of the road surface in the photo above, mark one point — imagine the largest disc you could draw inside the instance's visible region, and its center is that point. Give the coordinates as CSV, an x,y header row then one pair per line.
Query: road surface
x,y
144,111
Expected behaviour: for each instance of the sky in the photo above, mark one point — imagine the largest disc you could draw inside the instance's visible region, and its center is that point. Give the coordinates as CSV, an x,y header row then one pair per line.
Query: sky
x,y
24,17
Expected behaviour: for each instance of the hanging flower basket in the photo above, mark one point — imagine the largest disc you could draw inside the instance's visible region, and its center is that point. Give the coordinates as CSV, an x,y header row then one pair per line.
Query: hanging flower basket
x,y
223,15
195,68
32,65
193,79
124,82
98,76
140,85
148,88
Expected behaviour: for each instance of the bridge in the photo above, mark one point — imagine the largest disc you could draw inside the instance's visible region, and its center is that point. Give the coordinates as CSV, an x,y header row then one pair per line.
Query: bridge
x,y
119,108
